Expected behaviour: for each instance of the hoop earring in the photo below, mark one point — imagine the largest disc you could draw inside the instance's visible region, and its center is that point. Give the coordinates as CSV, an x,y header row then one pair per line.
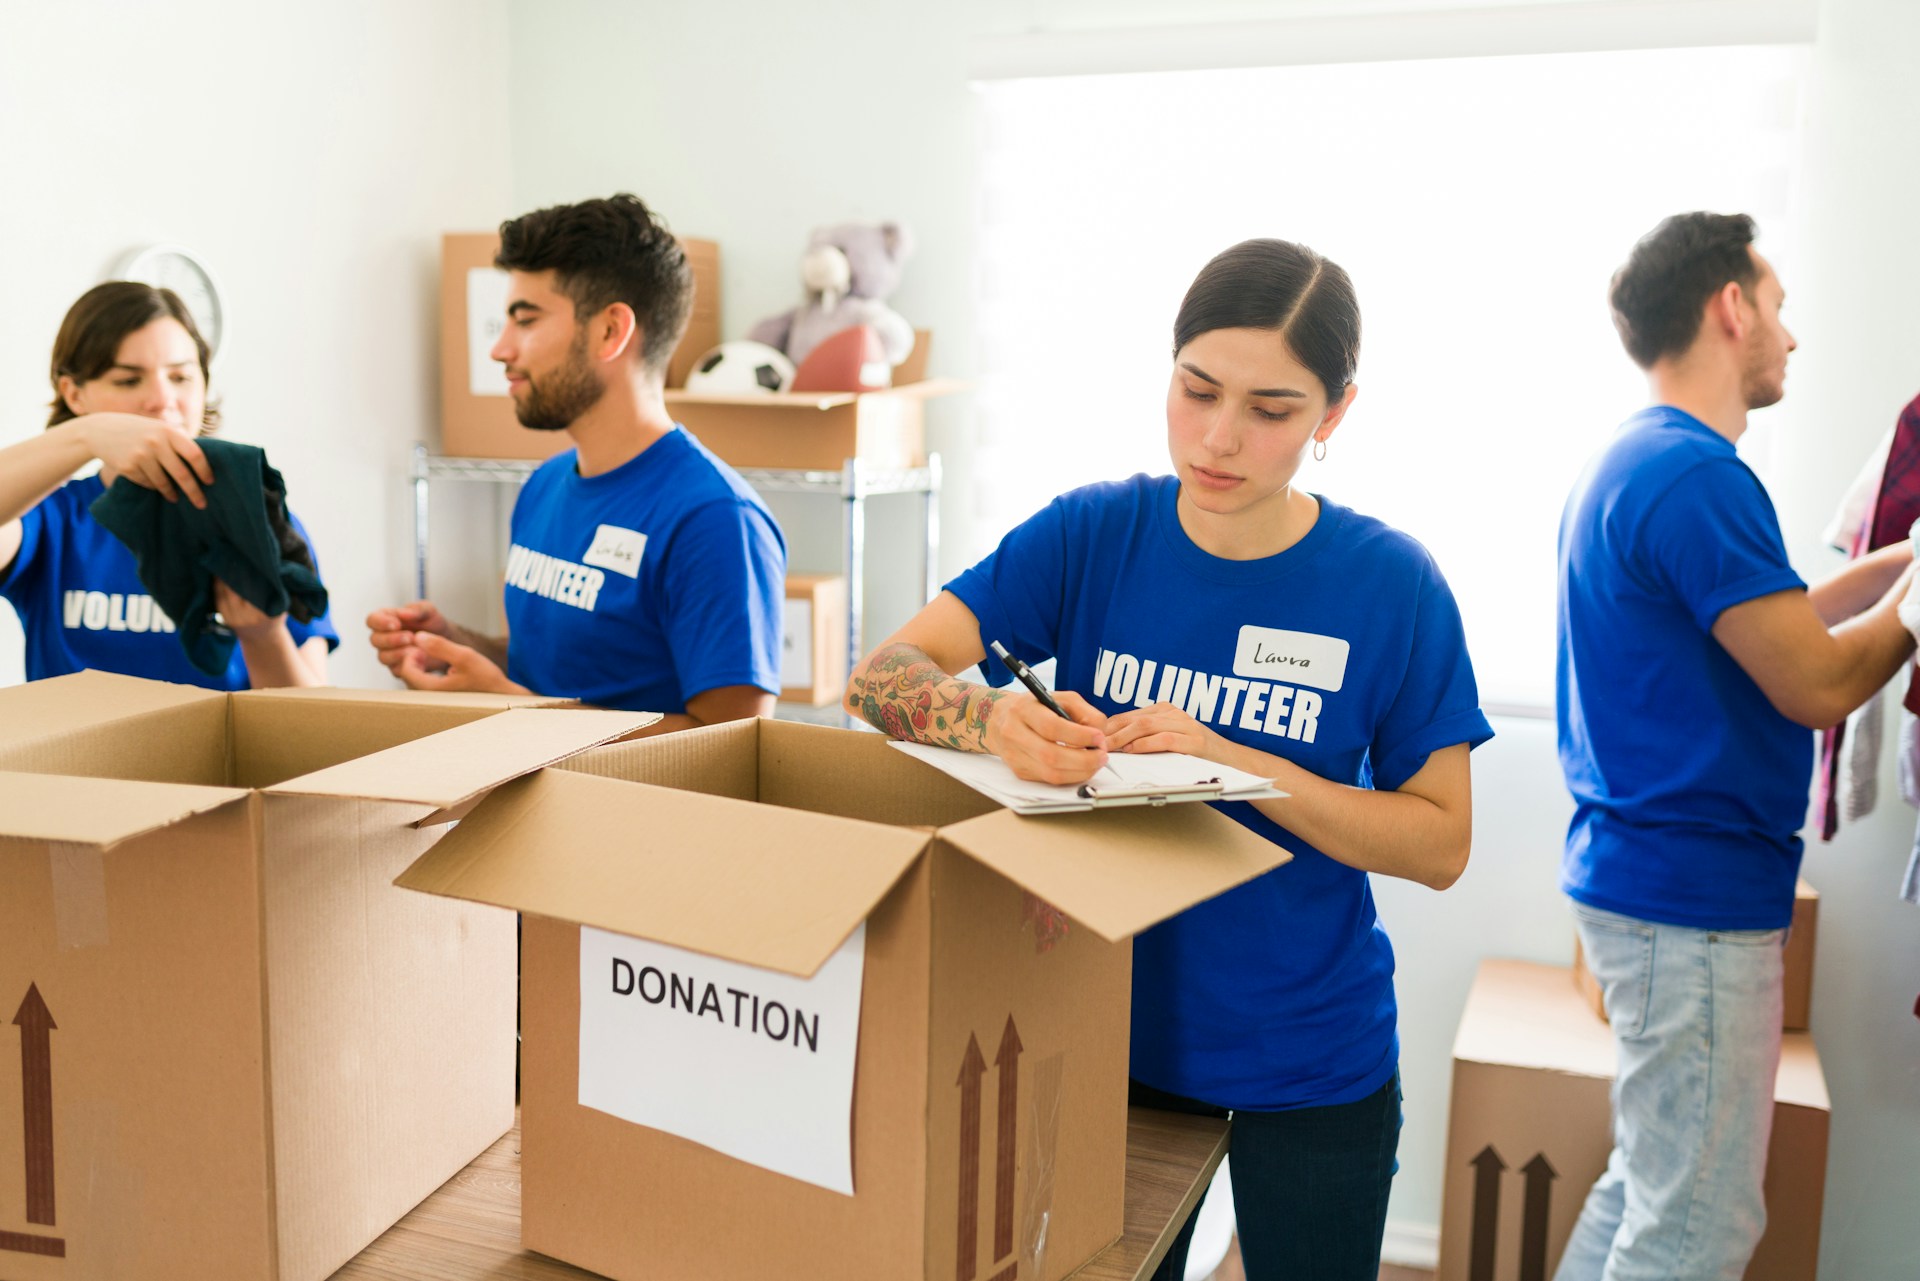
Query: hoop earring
x,y
1319,451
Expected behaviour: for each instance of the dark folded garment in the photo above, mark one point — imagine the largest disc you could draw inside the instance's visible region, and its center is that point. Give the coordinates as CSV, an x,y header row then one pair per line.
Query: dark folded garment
x,y
243,537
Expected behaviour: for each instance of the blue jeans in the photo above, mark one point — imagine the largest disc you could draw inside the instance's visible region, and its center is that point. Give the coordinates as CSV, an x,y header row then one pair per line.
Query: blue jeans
x,y
1696,1020
1309,1186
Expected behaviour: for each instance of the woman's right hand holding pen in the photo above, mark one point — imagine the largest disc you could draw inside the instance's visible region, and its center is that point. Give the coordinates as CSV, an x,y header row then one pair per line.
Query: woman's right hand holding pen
x,y
1039,746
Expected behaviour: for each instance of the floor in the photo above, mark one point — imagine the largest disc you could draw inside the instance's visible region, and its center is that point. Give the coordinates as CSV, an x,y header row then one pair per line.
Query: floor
x,y
1230,1270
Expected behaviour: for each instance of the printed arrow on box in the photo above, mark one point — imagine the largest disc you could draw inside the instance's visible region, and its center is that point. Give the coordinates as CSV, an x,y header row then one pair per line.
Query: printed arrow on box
x,y
972,1067
1533,1223
1487,1169
1008,1061
36,1026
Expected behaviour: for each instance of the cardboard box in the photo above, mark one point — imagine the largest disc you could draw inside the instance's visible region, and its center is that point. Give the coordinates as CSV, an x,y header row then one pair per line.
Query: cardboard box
x,y
989,1105
241,1053
816,431
1796,1009
813,639
1531,1128
476,413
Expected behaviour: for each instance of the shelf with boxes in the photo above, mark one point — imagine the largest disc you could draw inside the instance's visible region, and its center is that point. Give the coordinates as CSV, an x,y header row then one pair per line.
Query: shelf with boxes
x,y
825,612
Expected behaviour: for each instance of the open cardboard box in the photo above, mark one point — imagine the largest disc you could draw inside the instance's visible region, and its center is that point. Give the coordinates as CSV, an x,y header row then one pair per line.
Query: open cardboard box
x,y
989,1104
819,431
1530,1130
241,1052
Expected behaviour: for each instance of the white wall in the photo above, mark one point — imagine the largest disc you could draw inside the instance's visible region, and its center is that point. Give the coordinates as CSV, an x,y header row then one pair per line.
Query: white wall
x,y
750,123
312,154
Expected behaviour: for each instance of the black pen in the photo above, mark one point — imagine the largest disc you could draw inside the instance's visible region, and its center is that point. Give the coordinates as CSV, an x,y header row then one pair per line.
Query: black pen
x,y
1026,677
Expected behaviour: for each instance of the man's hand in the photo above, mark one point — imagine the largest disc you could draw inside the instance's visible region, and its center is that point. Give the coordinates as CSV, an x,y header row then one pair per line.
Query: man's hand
x,y
433,662
1162,727
148,452
1040,746
393,632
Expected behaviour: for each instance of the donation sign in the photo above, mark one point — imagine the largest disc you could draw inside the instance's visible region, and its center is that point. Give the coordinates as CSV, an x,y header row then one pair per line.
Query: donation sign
x,y
749,1062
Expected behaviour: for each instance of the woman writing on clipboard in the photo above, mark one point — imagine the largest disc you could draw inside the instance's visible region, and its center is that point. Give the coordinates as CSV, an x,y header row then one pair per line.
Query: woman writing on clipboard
x,y
1225,612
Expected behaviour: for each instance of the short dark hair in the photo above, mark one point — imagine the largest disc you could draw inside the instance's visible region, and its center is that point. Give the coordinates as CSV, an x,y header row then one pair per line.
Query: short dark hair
x,y
1660,294
605,251
100,320
1278,285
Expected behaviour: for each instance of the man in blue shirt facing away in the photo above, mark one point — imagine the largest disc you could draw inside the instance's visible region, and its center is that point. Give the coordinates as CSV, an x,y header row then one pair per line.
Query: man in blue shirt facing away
x,y
1693,664
644,573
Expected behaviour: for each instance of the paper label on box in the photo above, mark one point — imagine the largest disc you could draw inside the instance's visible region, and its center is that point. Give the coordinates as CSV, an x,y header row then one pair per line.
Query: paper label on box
x,y
749,1062
1298,658
486,317
796,645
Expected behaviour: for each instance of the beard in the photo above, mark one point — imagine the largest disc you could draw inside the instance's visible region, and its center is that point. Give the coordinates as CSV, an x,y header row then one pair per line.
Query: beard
x,y
1761,380
554,401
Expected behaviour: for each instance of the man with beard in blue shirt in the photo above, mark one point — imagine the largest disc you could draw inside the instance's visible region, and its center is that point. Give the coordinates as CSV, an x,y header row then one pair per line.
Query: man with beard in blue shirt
x,y
1693,664
644,573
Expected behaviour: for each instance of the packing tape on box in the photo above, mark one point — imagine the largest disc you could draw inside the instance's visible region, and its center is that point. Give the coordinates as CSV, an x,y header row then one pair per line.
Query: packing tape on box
x,y
79,876
1043,1139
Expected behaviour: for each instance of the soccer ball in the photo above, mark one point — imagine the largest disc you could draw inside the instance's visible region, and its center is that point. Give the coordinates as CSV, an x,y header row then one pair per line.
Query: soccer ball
x,y
741,369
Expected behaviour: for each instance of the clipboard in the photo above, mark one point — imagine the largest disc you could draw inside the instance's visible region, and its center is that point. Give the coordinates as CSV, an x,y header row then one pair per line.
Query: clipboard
x,y
1163,778
1206,789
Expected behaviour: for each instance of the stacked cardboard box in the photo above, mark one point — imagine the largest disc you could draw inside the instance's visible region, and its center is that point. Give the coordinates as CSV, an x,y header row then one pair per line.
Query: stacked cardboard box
x,y
821,430
988,1104
813,640
1530,1130
240,1051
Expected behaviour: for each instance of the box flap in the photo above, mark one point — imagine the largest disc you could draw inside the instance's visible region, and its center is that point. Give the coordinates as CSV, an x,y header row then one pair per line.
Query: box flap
x,y
781,889
1526,1015
451,769
1119,871
63,705
1800,1081
403,697
98,811
926,388
787,401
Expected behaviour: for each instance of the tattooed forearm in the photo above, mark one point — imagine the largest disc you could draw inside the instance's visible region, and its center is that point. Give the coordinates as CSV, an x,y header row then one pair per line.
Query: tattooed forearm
x,y
902,692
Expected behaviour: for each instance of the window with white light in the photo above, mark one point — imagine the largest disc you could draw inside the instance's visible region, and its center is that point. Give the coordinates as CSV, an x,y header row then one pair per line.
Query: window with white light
x,y
1480,205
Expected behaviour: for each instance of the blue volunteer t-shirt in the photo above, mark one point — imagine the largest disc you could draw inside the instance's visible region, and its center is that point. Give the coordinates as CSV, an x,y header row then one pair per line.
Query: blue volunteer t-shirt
x,y
1344,654
648,585
81,604
1688,785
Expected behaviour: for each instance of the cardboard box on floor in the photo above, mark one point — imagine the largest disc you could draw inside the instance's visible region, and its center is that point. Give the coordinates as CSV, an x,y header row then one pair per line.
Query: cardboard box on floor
x,y
819,431
241,1052
475,425
1796,1007
1531,1128
767,843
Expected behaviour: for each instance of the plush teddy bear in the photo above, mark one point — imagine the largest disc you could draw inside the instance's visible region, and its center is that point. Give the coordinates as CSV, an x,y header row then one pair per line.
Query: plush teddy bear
x,y
848,270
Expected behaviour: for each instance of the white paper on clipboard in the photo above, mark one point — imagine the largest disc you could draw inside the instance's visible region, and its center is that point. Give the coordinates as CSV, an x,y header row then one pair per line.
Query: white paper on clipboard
x,y
1159,778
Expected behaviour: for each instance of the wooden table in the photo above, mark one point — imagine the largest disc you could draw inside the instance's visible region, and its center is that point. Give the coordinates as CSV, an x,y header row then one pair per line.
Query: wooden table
x,y
470,1229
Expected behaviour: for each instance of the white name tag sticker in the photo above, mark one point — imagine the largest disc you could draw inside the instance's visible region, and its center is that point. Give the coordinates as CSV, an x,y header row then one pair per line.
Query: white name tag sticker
x,y
752,1063
617,549
1292,658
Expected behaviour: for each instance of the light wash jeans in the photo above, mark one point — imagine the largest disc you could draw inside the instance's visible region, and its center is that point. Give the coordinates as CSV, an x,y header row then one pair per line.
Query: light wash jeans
x,y
1696,1020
